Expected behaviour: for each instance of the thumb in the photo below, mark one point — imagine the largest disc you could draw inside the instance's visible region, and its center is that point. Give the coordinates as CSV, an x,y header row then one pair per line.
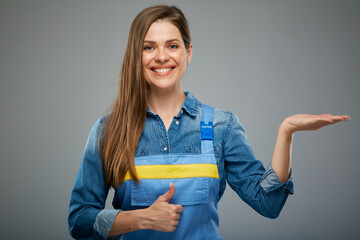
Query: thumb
x,y
170,193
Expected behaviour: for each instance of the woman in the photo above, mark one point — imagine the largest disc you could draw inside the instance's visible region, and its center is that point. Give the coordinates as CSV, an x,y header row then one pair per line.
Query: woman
x,y
167,155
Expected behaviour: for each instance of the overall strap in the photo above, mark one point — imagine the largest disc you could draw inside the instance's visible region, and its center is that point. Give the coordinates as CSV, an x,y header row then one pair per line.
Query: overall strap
x,y
206,128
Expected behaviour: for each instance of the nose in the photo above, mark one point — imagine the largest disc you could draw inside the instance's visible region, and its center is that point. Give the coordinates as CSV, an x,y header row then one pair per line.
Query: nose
x,y
161,55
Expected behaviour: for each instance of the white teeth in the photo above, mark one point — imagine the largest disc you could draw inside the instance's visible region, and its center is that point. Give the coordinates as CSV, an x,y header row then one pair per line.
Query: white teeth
x,y
162,70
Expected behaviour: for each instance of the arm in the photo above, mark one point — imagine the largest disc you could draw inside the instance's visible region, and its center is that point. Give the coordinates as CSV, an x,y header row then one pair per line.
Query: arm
x,y
281,159
260,188
89,193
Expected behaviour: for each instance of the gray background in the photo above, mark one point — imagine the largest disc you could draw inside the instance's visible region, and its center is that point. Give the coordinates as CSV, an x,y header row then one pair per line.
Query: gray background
x,y
263,60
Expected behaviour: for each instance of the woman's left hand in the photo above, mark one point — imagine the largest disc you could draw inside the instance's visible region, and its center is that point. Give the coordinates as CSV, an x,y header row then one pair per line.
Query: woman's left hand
x,y
303,122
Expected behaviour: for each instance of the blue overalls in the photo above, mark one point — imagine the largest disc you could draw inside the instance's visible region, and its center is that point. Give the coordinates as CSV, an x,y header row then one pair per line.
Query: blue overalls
x,y
196,181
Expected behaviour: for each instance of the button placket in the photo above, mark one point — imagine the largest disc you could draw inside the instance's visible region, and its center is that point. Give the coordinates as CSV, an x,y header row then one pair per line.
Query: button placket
x,y
163,135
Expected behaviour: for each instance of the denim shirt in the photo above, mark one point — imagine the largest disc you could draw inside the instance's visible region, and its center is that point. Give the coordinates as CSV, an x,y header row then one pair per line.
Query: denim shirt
x,y
237,165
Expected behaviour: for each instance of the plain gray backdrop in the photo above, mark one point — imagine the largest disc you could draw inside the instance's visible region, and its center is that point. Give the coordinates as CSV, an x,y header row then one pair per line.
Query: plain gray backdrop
x,y
262,60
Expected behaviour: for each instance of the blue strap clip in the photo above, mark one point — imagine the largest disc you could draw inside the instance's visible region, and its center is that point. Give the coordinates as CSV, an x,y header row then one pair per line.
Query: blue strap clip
x,y
207,132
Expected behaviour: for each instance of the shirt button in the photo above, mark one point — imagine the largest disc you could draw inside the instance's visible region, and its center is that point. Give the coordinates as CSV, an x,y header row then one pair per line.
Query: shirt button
x,y
165,148
177,122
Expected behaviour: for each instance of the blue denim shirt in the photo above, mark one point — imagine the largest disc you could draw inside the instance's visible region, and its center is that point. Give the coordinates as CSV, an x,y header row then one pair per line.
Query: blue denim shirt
x,y
237,165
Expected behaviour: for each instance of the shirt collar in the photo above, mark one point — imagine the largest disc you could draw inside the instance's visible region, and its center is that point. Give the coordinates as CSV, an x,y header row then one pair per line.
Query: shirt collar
x,y
190,106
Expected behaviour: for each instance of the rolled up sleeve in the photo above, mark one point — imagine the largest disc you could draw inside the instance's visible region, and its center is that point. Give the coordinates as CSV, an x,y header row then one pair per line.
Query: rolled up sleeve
x,y
103,223
270,182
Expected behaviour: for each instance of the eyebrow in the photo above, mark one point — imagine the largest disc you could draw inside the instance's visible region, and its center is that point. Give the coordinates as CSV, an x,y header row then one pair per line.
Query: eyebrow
x,y
170,40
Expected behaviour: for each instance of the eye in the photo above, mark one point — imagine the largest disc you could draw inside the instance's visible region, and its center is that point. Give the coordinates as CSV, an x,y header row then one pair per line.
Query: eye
x,y
148,48
173,46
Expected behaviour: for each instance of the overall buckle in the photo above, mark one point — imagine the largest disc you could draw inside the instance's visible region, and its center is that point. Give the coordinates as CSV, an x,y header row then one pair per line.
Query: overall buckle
x,y
207,132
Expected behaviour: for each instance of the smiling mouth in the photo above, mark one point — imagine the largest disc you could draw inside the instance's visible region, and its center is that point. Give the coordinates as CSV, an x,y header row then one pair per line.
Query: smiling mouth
x,y
162,70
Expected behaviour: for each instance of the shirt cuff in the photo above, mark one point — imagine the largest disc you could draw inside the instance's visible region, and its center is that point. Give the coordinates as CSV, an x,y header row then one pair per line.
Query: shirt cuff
x,y
103,223
270,182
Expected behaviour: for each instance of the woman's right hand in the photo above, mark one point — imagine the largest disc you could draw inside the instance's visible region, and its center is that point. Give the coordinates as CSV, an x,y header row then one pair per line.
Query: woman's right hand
x,y
162,215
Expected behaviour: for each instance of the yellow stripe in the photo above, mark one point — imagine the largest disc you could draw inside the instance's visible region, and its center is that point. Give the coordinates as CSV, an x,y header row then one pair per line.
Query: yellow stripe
x,y
175,171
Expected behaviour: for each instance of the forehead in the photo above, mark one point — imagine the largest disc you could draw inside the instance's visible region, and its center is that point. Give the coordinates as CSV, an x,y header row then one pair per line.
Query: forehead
x,y
162,30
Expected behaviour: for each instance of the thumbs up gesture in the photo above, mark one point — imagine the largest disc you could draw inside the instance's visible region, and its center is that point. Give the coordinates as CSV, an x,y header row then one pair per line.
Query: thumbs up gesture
x,y
162,215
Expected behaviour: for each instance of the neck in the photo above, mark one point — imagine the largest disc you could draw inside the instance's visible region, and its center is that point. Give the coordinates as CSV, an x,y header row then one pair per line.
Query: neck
x,y
166,104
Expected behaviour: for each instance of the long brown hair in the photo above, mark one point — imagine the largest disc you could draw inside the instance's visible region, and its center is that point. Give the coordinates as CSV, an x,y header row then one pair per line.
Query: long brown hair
x,y
123,127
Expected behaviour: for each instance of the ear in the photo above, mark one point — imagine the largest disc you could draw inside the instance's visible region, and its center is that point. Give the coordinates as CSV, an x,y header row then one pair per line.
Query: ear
x,y
189,53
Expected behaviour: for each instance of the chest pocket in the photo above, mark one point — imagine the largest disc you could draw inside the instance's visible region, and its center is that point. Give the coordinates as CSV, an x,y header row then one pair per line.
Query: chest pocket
x,y
188,191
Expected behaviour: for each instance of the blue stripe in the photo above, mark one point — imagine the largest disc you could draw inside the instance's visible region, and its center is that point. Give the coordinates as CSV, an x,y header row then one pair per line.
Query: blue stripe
x,y
175,159
207,113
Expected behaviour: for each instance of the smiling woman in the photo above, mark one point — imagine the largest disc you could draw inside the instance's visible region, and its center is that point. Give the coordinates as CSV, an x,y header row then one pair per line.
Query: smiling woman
x,y
159,138
165,56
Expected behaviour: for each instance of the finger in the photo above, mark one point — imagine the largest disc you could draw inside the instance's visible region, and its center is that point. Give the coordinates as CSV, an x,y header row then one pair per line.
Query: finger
x,y
325,121
331,119
170,193
323,124
334,119
179,209
343,117
338,117
325,115
171,228
337,120
178,216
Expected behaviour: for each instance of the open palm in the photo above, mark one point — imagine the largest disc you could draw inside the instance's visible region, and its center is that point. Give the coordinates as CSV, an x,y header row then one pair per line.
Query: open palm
x,y
303,122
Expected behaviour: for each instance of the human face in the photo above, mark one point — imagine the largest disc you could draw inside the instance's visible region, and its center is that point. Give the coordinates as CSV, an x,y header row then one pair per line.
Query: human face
x,y
164,56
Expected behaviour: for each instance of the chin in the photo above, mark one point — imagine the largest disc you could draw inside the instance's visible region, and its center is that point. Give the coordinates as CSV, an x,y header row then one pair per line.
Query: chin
x,y
162,86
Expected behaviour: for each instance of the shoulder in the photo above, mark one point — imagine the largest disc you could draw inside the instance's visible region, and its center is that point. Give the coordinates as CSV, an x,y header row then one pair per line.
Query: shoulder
x,y
222,118
98,125
226,124
224,121
96,129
